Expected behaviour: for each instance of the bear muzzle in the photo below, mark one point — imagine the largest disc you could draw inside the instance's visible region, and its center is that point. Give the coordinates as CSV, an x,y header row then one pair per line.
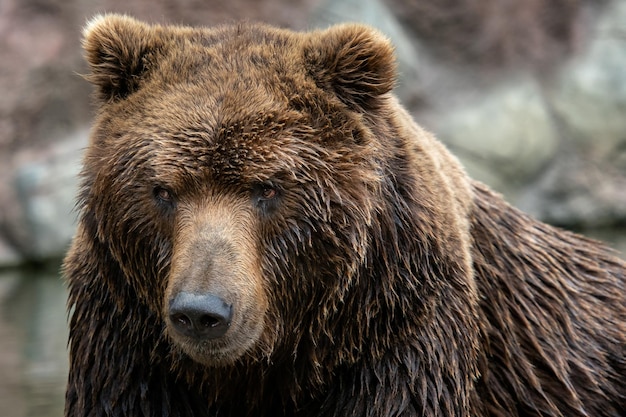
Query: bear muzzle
x,y
200,316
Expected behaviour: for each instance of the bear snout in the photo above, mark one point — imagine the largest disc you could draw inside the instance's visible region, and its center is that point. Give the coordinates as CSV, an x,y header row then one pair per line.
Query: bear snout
x,y
200,316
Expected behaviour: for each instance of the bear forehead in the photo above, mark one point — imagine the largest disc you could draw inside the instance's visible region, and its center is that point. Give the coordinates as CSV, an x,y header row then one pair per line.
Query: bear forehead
x,y
232,57
213,141
254,148
213,102
195,137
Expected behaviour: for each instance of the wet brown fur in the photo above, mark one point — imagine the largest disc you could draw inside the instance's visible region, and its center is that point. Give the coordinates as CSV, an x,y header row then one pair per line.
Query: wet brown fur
x,y
378,281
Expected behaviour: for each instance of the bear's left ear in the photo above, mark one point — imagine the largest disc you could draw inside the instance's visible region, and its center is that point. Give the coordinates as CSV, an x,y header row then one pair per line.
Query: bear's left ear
x,y
116,48
354,61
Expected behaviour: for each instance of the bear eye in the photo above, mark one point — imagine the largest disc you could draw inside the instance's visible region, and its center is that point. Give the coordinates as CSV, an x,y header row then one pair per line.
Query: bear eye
x,y
268,193
163,195
266,197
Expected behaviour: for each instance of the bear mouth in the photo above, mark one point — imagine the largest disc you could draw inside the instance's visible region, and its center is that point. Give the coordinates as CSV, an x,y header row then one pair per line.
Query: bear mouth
x,y
209,353
213,353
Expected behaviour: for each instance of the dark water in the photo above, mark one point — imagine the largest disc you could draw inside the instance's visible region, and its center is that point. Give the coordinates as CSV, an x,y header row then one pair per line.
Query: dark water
x,y
33,340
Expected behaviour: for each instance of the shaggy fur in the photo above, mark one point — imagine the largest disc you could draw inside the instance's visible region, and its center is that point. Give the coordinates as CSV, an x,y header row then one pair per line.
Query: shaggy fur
x,y
369,276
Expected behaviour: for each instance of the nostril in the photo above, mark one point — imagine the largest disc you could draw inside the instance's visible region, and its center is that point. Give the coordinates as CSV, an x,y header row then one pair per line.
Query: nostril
x,y
209,321
181,320
200,316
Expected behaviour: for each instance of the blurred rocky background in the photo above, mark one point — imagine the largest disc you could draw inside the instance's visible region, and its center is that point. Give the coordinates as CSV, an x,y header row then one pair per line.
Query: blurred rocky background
x,y
531,95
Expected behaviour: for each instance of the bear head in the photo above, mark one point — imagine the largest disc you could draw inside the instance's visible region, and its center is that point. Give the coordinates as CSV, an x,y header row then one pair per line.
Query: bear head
x,y
238,178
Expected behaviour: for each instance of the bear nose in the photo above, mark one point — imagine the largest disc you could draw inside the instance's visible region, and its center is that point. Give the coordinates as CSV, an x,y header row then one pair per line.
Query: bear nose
x,y
200,316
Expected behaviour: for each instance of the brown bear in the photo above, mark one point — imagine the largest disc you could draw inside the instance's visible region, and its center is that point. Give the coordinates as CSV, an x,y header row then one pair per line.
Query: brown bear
x,y
264,231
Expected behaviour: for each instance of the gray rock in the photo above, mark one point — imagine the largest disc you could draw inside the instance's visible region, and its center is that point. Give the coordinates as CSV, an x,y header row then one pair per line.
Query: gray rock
x,y
578,191
46,189
586,186
589,96
8,255
505,137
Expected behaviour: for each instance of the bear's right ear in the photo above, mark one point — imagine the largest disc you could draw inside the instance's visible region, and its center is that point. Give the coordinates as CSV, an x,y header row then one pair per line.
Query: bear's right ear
x,y
116,49
354,61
